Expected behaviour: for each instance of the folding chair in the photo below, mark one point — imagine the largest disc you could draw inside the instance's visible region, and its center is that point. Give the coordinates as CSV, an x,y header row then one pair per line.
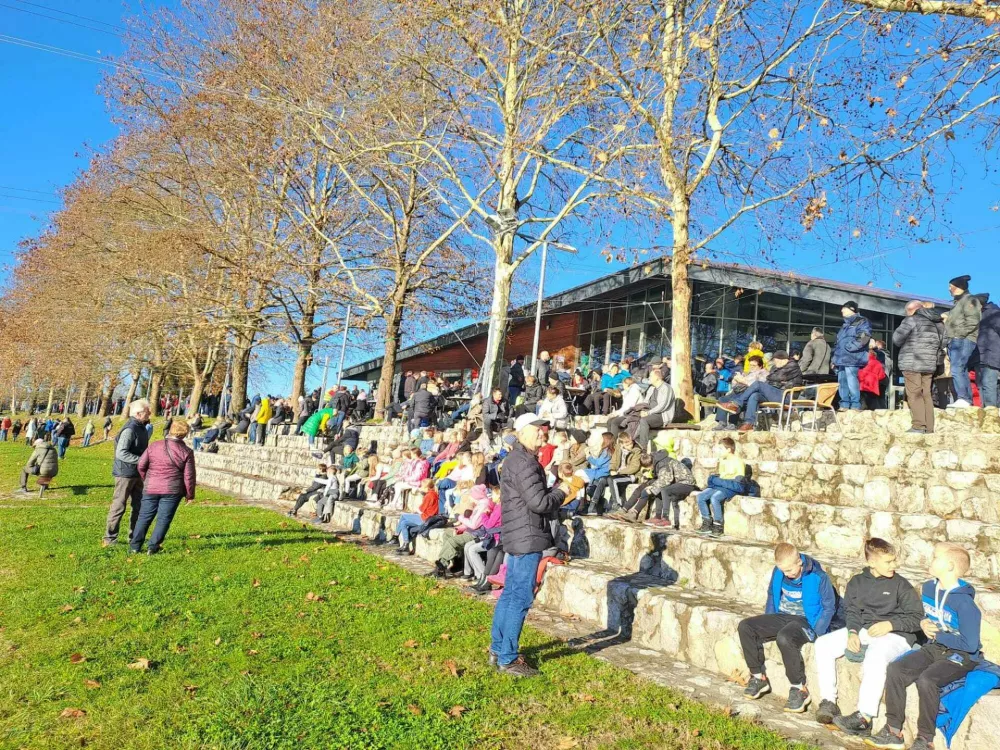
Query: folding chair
x,y
795,400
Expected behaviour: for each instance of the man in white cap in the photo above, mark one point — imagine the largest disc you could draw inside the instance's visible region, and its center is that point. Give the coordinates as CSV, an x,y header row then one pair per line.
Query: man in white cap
x,y
527,503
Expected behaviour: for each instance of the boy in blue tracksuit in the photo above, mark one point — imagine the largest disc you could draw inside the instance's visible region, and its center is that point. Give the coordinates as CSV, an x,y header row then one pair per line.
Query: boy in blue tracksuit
x,y
801,606
951,623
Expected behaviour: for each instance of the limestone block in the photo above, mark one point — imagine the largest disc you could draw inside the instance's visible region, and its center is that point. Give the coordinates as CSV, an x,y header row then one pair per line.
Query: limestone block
x,y
960,530
943,500
824,453
921,522
910,499
855,474
961,480
883,526
896,456
917,552
878,494
918,460
944,459
827,472
974,459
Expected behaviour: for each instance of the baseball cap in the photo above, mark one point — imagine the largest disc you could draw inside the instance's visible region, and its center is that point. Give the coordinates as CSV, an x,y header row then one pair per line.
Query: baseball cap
x,y
526,419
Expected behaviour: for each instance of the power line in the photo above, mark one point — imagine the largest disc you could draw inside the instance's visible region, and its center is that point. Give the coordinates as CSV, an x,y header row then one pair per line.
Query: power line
x,y
60,20
72,15
26,190
26,198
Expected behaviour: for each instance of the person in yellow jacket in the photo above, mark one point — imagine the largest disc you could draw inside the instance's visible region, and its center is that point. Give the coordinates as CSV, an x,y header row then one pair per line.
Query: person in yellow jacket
x,y
756,350
261,417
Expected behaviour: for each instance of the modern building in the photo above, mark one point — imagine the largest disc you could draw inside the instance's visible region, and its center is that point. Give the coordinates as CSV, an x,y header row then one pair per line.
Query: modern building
x,y
629,313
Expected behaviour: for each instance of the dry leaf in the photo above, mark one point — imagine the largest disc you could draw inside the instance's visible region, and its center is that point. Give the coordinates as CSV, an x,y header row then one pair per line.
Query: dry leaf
x,y
190,688
410,644
415,709
256,583
586,698
218,640
255,635
195,536
72,713
452,667
252,652
77,658
29,526
372,577
79,590
91,684
304,558
311,597
457,711
67,608
773,133
139,664
566,743
445,637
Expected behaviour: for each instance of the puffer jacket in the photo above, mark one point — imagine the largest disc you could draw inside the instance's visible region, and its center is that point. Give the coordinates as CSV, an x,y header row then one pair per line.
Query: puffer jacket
x,y
963,319
423,403
495,412
533,394
989,337
46,458
527,503
920,340
788,376
130,444
167,468
851,348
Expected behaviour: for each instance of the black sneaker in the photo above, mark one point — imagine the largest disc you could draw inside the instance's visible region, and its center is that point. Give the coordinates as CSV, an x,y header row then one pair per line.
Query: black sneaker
x,y
517,668
827,712
921,744
886,739
798,701
706,525
854,724
483,587
717,529
440,569
402,551
757,688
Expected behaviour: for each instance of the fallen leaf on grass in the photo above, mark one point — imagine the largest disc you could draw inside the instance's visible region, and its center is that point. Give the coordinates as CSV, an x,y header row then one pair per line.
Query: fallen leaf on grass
x,y
67,608
566,743
304,558
218,640
333,583
29,526
252,652
452,667
255,635
457,711
194,536
256,583
372,577
79,590
586,698
191,689
410,644
445,636
415,709
141,664
361,605
91,684
72,713
77,658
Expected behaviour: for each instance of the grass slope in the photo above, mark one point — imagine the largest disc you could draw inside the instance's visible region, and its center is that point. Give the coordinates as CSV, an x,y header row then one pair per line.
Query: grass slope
x,y
261,633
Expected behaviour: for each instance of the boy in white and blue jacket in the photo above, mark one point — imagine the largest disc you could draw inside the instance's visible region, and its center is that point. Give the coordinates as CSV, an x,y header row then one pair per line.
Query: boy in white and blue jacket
x,y
802,605
951,623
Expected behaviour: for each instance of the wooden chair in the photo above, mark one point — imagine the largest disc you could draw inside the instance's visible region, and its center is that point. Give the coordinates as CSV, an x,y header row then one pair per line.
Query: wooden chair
x,y
795,400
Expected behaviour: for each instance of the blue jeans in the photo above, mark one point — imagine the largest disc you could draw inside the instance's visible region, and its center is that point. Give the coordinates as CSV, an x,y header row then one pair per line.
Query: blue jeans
x,y
3,435
850,389
513,605
716,498
86,440
749,401
988,385
252,433
463,409
62,443
407,523
442,487
959,352
160,507
512,394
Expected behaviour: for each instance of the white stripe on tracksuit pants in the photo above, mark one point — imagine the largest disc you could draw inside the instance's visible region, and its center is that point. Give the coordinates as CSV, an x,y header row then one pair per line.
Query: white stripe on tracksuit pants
x,y
880,653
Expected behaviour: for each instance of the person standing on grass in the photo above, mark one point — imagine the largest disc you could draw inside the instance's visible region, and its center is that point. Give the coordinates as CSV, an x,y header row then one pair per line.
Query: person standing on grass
x,y
88,433
64,432
5,425
31,431
167,473
107,428
130,444
527,504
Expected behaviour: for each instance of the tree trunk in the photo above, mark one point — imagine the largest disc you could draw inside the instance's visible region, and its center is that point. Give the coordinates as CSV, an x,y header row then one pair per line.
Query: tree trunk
x,y
130,396
13,400
393,326
48,408
69,391
81,404
196,391
106,392
680,327
241,371
155,386
302,360
497,335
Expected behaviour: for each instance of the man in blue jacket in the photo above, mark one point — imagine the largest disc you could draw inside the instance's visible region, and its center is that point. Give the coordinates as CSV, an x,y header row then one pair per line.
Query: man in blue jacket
x,y
850,354
801,606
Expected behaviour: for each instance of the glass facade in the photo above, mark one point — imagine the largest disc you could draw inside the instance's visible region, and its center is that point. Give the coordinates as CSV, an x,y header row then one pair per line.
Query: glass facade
x,y
724,320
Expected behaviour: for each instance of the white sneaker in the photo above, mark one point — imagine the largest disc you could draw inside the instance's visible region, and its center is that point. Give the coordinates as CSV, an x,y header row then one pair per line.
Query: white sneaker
x,y
959,404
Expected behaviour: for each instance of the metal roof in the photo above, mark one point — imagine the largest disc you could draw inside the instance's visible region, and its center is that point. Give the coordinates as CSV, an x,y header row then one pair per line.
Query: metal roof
x,y
729,274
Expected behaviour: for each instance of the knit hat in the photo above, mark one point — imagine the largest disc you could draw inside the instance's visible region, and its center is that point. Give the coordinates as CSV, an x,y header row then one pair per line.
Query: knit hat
x,y
962,282
851,305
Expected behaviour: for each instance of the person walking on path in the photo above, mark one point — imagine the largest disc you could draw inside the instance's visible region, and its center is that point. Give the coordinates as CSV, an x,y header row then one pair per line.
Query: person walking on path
x,y
988,343
167,473
850,354
920,340
44,462
961,332
525,530
130,444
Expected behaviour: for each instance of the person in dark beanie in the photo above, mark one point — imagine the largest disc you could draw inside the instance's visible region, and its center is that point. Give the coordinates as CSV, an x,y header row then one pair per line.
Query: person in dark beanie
x,y
919,338
961,331
988,343
850,354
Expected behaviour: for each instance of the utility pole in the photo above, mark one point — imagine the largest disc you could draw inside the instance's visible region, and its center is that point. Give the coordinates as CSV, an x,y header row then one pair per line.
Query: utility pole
x,y
538,309
322,390
343,346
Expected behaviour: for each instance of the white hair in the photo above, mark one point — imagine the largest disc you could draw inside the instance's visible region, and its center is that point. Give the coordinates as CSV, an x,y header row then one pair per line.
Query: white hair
x,y
137,406
913,306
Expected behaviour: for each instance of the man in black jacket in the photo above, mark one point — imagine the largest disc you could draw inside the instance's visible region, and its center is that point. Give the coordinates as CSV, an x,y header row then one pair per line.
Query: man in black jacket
x,y
527,505
130,444
785,373
883,618
516,384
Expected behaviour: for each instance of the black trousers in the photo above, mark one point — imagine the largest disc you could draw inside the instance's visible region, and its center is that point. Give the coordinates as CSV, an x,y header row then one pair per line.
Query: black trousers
x,y
790,633
932,667
673,494
302,499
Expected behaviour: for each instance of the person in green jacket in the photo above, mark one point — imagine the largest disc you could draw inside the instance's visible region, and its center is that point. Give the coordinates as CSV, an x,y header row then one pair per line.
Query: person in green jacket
x,y
312,425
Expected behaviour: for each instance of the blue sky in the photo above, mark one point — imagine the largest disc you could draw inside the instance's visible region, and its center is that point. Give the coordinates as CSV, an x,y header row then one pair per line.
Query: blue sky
x,y
53,114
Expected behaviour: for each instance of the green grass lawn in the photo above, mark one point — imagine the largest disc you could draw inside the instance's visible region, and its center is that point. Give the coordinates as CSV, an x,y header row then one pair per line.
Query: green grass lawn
x,y
261,633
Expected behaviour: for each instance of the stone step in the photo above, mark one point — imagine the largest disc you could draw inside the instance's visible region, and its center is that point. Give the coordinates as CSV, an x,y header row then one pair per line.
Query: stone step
x,y
241,485
299,455
701,630
293,475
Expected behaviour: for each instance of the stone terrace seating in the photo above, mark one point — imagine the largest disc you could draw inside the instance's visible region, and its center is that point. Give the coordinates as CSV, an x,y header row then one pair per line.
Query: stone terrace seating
x,y
683,594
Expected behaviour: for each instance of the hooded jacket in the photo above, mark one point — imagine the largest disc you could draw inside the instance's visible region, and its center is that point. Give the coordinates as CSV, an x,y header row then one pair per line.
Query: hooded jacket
x,y
819,597
989,336
667,471
920,340
46,458
788,375
870,599
956,613
963,320
851,347
527,503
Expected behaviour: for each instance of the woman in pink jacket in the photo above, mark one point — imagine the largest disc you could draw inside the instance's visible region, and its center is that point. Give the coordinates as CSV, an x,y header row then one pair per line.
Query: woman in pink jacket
x,y
167,471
